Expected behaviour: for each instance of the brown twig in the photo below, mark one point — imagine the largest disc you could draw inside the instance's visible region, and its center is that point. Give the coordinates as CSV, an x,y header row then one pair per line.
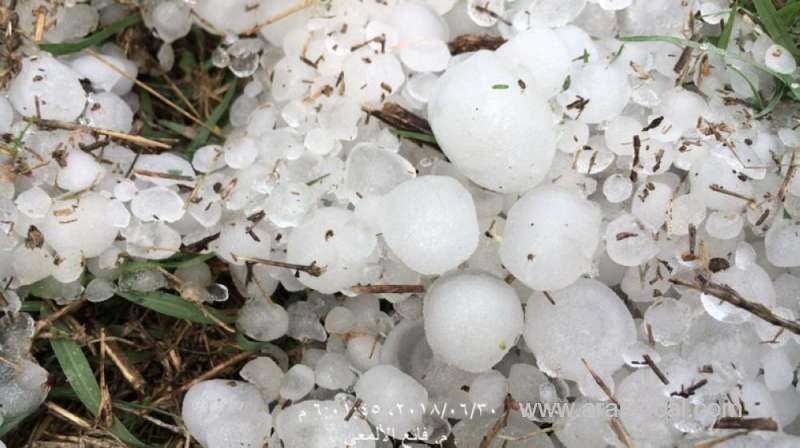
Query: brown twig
x,y
602,384
751,424
129,372
280,15
42,323
731,296
312,269
621,432
114,135
652,364
388,289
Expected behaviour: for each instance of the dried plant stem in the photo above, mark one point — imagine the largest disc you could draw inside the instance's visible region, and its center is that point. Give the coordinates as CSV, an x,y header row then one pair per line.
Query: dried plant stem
x,y
600,383
311,269
731,296
116,135
297,7
751,424
474,42
388,289
44,322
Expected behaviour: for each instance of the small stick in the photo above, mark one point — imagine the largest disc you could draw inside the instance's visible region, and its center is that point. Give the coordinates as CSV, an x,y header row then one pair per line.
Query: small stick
x,y
310,269
788,179
602,384
549,297
722,190
689,390
135,139
130,373
622,434
352,410
652,364
388,289
752,424
492,14
731,296
64,414
41,324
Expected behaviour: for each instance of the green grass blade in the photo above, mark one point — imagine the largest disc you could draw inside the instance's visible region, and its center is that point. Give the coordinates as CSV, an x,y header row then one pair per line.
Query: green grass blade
x,y
174,306
790,13
81,378
791,81
759,106
725,37
174,262
774,25
773,102
419,136
93,39
203,134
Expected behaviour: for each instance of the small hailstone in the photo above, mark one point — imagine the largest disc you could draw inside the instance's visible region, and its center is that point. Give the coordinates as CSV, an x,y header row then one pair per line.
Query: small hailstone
x,y
243,238
669,320
208,158
171,20
104,77
550,237
634,355
780,60
339,320
430,223
617,188
226,413
782,244
573,136
373,171
84,227
125,189
289,203
240,152
297,382
322,424
31,265
619,134
263,321
108,111
605,86
333,372
80,171
724,225
472,319
54,86
364,352
651,202
630,241
157,204
481,126
542,53
99,290
118,214
175,166
335,240
489,389
644,418
152,240
304,323
401,398
588,319
684,211
265,374
68,266
34,202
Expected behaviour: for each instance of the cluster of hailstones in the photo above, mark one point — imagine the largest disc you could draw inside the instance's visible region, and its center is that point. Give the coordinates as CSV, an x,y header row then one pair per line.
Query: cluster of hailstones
x,y
588,186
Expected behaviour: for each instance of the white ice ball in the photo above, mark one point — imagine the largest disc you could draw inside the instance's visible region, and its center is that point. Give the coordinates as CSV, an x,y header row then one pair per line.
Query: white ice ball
x,y
430,223
587,321
497,131
55,86
472,319
550,237
226,413
542,53
400,398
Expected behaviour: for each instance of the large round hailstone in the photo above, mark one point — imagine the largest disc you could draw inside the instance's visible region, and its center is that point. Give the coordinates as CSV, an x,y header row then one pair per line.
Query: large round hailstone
x,y
224,413
630,241
543,54
80,224
780,59
55,85
714,172
400,398
157,204
497,132
604,86
587,321
336,241
782,244
322,424
472,319
430,223
550,237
